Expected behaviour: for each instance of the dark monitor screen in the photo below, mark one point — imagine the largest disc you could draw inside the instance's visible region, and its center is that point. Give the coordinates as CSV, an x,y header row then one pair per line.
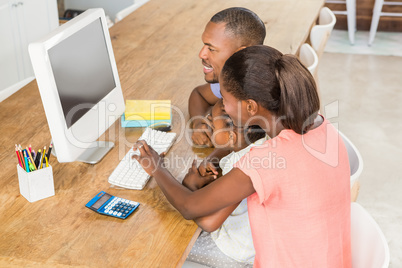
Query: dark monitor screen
x,y
82,71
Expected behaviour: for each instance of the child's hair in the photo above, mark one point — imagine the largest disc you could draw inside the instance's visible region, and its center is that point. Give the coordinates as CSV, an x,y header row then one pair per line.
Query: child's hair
x,y
251,133
279,83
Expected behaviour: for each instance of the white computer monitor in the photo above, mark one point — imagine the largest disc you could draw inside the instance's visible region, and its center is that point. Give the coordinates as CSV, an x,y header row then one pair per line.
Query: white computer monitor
x,y
79,86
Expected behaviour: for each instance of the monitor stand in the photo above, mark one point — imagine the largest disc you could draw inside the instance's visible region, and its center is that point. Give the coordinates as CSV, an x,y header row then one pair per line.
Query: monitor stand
x,y
95,153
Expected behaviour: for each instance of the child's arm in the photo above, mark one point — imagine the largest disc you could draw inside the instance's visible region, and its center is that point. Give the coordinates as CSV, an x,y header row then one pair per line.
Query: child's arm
x,y
200,101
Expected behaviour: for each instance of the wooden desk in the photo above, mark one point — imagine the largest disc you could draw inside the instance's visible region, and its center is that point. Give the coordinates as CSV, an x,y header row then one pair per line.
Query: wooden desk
x,y
156,50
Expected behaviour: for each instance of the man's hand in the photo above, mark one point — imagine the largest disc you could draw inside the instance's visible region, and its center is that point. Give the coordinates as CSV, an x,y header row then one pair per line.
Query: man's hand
x,y
194,181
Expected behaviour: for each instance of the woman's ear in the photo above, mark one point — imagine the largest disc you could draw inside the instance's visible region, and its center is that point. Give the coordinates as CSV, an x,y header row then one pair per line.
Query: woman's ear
x,y
252,107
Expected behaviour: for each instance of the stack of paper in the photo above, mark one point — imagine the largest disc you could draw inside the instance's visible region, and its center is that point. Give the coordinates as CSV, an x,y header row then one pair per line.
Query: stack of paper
x,y
143,113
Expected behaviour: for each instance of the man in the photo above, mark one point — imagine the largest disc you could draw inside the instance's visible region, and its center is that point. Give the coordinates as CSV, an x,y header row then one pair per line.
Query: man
x,y
228,31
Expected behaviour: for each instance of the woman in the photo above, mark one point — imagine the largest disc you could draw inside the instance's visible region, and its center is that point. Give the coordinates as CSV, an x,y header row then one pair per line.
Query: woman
x,y
297,183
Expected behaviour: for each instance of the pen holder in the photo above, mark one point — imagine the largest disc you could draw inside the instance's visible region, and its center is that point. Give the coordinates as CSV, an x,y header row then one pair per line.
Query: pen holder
x,y
36,185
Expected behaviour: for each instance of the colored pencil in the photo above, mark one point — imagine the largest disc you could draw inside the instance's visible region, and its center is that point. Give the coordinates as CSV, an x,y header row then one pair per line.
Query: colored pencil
x,y
18,156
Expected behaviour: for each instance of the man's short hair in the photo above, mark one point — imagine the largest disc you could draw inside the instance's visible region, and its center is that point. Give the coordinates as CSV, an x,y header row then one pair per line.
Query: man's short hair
x,y
242,23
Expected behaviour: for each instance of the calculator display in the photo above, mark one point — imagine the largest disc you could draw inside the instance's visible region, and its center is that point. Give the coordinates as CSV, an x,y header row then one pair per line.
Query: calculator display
x,y
101,201
113,206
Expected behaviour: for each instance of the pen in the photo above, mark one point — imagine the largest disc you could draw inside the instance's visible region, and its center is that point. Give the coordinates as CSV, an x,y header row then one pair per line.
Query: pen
x,y
47,162
18,155
42,160
21,155
38,157
31,166
48,151
30,157
26,161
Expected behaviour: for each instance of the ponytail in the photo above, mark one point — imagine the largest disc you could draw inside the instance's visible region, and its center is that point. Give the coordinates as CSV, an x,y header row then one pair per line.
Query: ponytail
x,y
299,101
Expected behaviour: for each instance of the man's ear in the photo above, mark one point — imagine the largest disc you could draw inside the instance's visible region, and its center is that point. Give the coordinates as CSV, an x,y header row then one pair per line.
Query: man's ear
x,y
240,48
252,107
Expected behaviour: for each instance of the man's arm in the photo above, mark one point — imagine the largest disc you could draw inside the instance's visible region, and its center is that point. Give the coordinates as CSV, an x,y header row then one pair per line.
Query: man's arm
x,y
199,103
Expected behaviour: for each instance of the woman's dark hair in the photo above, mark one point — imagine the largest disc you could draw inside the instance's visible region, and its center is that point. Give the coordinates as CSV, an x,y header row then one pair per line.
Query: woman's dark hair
x,y
279,83
254,133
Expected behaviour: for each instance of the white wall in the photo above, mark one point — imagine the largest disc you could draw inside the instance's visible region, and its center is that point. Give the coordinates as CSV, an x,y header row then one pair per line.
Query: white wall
x,y
111,7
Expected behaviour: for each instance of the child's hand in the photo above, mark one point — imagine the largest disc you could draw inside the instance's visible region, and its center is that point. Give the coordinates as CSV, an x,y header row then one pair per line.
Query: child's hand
x,y
201,134
194,181
207,168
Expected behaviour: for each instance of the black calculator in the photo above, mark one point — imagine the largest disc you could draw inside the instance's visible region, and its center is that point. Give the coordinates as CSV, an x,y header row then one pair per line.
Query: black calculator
x,y
110,205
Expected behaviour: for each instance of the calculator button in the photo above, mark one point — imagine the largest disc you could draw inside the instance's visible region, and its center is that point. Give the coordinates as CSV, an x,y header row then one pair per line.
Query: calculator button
x,y
119,214
115,213
127,211
110,212
124,214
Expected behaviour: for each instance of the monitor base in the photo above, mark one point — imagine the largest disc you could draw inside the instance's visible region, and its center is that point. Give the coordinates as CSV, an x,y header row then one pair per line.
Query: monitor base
x,y
94,153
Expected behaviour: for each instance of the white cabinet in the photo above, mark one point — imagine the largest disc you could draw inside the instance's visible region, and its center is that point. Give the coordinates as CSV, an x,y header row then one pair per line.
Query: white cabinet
x,y
21,22
110,7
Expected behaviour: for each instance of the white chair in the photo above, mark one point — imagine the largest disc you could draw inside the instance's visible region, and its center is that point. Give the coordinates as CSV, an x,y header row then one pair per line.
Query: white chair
x,y
377,12
350,13
369,246
356,166
319,36
355,159
309,58
321,32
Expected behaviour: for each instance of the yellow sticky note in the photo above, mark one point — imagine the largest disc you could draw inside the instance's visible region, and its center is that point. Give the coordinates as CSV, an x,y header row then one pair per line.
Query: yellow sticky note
x,y
148,110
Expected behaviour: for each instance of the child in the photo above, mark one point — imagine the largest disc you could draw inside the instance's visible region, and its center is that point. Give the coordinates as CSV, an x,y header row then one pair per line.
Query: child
x,y
231,245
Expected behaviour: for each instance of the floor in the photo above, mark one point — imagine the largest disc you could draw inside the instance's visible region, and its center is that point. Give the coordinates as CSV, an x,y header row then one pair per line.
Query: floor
x,y
385,43
363,95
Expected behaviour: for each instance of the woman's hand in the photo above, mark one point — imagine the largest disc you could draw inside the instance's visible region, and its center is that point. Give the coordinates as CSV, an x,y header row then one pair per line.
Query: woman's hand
x,y
193,179
149,159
